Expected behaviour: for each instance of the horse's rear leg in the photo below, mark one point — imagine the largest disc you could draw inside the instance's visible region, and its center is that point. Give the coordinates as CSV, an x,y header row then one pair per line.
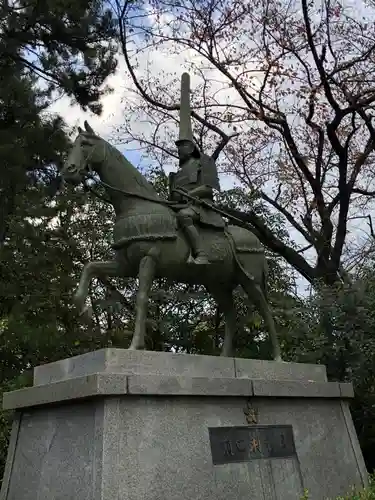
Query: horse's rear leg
x,y
146,276
256,295
224,299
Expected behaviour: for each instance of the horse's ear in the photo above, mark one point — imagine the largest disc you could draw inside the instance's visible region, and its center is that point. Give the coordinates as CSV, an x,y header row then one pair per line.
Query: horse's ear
x,y
80,130
88,128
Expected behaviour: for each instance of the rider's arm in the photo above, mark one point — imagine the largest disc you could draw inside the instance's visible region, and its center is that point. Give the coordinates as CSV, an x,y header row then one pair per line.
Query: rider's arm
x,y
201,191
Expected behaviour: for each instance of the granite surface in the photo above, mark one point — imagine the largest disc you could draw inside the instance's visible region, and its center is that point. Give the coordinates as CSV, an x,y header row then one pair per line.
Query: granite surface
x,y
172,364
111,384
119,425
157,448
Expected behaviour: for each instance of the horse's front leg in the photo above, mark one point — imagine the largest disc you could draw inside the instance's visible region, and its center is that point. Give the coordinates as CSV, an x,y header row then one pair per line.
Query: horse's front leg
x,y
146,275
95,269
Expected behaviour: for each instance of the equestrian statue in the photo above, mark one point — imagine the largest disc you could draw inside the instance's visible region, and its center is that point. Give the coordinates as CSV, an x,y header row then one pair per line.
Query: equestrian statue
x,y
184,239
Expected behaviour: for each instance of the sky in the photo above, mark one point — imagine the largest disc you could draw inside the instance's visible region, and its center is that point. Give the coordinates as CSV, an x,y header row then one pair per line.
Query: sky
x,y
112,114
114,110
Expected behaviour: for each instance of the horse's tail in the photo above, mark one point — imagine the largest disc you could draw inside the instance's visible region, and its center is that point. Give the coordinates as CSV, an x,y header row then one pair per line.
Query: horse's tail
x,y
239,264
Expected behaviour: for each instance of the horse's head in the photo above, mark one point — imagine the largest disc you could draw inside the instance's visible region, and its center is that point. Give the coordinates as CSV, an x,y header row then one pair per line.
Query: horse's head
x,y
87,150
90,153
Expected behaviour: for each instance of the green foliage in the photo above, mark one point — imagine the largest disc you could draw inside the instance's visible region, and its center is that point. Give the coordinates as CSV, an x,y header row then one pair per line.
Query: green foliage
x,y
355,494
39,262
67,44
335,328
45,49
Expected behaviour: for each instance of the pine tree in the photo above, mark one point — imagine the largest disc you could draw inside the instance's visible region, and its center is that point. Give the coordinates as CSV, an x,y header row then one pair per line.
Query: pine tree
x,y
66,44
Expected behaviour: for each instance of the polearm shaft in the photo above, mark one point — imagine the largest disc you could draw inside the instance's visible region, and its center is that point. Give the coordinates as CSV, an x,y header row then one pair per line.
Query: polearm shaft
x,y
186,131
212,207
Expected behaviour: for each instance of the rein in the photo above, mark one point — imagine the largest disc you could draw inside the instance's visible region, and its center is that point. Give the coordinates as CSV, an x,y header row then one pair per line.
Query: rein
x,y
167,203
181,192
127,193
136,195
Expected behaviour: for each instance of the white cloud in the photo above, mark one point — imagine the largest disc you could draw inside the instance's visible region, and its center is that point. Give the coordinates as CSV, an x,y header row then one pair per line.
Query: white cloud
x,y
157,62
112,106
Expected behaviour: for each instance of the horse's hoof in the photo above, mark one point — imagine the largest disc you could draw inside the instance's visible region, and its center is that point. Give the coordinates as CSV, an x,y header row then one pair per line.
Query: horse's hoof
x,y
85,313
190,260
135,348
88,312
79,303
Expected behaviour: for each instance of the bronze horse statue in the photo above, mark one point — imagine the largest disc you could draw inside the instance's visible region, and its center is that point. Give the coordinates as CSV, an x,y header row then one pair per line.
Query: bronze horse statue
x,y
148,243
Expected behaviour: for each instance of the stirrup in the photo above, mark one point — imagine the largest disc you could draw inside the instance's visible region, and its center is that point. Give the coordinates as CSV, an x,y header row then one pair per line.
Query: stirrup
x,y
200,259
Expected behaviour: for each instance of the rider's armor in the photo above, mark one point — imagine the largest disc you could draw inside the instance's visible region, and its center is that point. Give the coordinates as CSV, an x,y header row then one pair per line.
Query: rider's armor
x,y
196,170
193,173
199,169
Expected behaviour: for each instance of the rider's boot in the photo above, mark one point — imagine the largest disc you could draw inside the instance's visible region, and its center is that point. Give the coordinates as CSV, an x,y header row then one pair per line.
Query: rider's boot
x,y
200,256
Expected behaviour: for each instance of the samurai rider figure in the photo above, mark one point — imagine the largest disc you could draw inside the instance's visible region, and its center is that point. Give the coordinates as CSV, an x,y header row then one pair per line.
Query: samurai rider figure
x,y
197,175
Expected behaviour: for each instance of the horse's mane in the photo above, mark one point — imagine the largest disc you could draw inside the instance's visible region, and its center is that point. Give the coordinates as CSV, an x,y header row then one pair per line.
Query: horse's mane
x,y
139,182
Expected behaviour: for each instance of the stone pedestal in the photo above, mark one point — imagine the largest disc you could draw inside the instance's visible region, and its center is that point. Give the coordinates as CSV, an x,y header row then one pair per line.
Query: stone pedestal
x,y
124,425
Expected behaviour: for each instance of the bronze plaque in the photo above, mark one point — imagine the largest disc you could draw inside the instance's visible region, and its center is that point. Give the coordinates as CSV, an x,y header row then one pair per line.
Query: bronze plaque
x,y
243,444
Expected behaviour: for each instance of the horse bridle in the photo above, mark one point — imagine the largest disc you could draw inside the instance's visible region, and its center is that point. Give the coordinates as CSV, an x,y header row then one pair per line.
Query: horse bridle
x,y
90,175
179,191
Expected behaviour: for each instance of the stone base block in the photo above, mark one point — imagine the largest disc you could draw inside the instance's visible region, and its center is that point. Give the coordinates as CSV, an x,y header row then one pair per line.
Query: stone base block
x,y
140,428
